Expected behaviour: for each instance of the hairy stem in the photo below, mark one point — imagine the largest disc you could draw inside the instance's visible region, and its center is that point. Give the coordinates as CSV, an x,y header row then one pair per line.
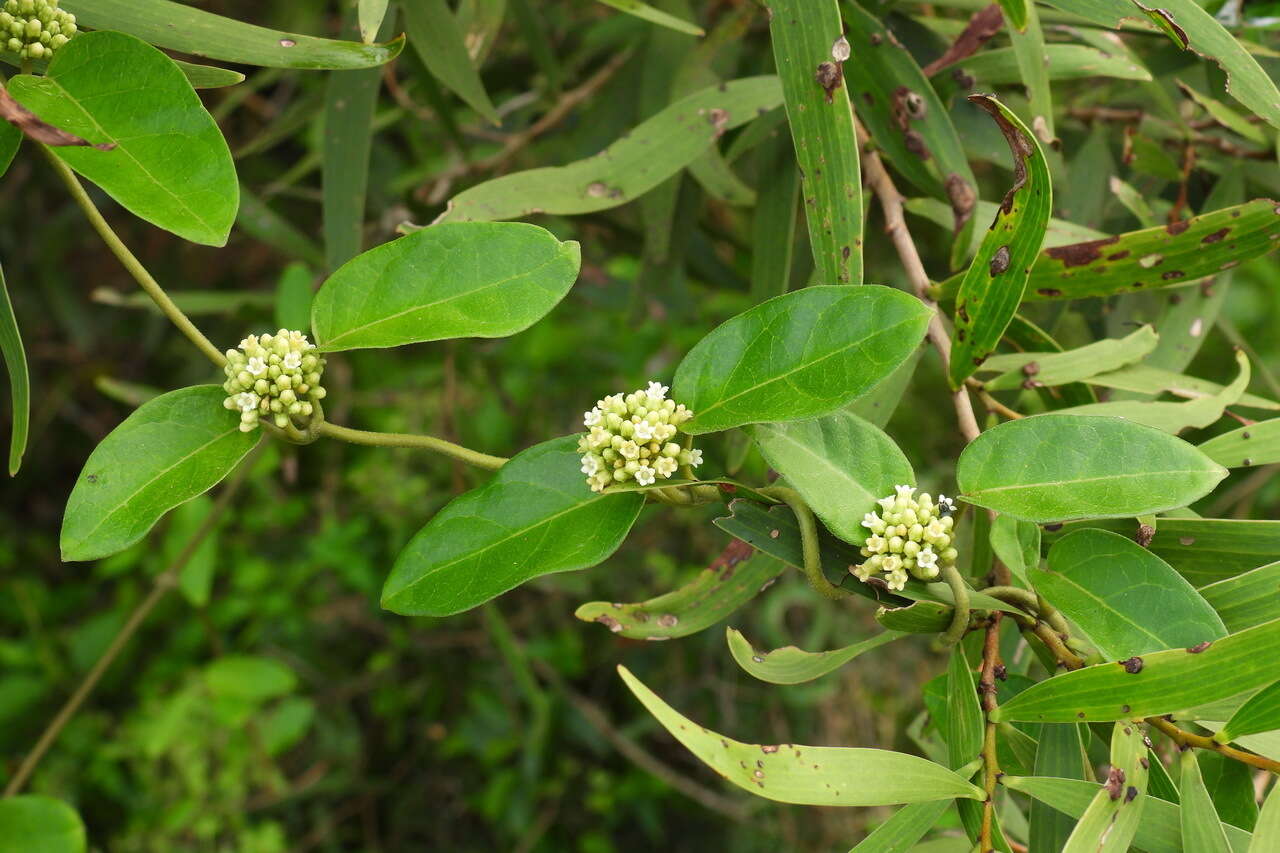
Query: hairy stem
x,y
422,442
131,263
960,617
808,541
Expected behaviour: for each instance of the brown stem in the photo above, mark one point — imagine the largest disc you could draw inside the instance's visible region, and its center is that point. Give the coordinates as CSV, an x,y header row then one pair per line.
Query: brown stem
x,y
1186,740
987,692
992,404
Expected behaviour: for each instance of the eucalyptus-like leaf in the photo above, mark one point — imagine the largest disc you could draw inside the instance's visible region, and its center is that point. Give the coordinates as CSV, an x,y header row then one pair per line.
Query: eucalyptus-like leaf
x,y
535,517
645,12
462,280
1261,713
1246,599
370,14
435,36
1255,444
992,289
792,665
1112,818
1125,599
734,579
840,464
1059,368
1266,833
810,775
170,164
963,731
1151,685
33,823
907,826
1201,830
797,356
1060,467
1145,379
999,67
15,362
1058,753
918,617
169,450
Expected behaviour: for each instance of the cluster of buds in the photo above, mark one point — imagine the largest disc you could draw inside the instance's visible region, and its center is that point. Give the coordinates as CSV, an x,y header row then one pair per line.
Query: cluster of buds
x,y
909,536
35,29
629,438
273,376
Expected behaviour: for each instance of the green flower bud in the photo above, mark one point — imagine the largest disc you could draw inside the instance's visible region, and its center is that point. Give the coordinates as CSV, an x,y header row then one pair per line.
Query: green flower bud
x,y
265,377
628,438
909,538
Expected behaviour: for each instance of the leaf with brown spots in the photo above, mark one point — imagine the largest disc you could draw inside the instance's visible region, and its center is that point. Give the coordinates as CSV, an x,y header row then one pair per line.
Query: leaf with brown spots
x,y
992,288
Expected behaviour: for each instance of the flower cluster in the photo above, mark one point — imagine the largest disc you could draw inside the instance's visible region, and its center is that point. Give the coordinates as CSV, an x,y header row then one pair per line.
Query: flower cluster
x,y
629,438
275,376
909,536
35,28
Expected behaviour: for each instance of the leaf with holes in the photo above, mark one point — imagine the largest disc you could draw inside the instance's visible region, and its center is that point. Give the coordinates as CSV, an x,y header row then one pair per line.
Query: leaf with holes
x,y
792,665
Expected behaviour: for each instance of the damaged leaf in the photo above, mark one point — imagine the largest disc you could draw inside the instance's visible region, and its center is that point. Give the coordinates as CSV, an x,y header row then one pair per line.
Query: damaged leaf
x,y
791,665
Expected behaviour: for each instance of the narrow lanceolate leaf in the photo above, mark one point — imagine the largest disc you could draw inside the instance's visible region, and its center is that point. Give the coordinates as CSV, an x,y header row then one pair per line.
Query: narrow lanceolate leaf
x,y
209,76
371,13
435,36
1246,599
809,775
640,160
909,122
199,33
999,67
1029,51
1015,12
38,824
1154,684
736,578
1168,256
15,362
800,355
1062,467
535,517
907,826
171,449
1111,820
1032,369
1125,599
655,16
963,730
463,280
1256,444
1260,714
1266,833
1201,830
1145,379
809,49
992,288
1058,753
792,665
170,164
840,464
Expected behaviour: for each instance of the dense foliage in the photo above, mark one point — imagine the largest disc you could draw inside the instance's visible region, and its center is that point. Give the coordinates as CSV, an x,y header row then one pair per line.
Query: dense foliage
x,y
926,349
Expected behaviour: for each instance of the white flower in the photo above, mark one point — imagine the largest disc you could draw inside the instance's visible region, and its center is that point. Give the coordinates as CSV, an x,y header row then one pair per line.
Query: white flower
x,y
946,504
862,573
590,464
897,580
871,521
246,401
656,391
644,475
695,458
926,559
904,492
292,360
935,529
629,450
876,544
665,466
592,418
644,431
256,366
891,563
299,340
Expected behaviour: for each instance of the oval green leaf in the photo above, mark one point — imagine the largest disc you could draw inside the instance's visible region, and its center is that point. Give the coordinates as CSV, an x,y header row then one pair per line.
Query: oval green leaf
x,y
792,665
1061,467
840,464
170,165
199,33
464,280
171,449
1125,599
37,824
799,355
535,517
810,775
1155,684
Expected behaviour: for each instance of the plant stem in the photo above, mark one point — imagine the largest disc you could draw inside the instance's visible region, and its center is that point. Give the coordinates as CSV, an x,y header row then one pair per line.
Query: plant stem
x,y
987,692
424,442
164,582
808,541
1187,739
960,617
131,263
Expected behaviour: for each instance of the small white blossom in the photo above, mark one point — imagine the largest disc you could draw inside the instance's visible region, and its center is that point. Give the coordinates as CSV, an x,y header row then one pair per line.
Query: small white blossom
x,y
656,392
592,418
292,360
912,539
246,401
269,376
665,466
645,475
629,435
695,458
904,492
887,503
876,544
897,580
926,559
644,431
256,366
590,464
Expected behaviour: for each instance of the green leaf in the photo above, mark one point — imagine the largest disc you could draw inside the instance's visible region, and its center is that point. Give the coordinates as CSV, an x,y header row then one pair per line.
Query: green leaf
x,y
249,679
1125,599
1059,368
999,67
1167,682
194,303
1017,544
371,13
809,775
1015,12
637,162
1058,753
792,665
195,578
1111,820
1029,51
292,300
773,225
1048,468
992,289
15,362
1261,713
840,464
1168,256
808,35
1255,444
711,596
964,725
918,617
209,76
1247,599
170,164
535,517
796,356
1266,834
262,223
474,280
35,824
1145,379
907,826
171,449
436,37
199,33
655,16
